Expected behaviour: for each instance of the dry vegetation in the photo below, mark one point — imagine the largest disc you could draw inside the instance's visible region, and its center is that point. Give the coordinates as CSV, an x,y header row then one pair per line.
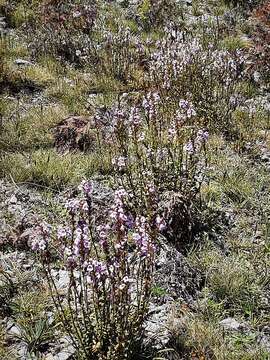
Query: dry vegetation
x,y
160,110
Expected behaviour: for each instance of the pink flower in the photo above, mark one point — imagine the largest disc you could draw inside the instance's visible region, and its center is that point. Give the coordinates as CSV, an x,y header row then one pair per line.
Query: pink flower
x,y
189,148
160,222
86,187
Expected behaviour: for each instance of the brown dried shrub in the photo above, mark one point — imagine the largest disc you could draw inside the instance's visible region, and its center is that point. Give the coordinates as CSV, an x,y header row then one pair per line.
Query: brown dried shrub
x,y
260,50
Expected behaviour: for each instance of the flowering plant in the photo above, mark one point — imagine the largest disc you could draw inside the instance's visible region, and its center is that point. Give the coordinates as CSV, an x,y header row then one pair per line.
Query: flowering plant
x,y
157,150
182,66
109,270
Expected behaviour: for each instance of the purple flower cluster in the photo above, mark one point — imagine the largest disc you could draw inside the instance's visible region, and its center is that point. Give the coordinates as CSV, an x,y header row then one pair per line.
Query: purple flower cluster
x,y
40,237
117,212
135,117
81,245
189,147
186,111
177,55
142,239
119,162
160,223
202,136
101,274
172,56
150,104
63,232
103,232
86,187
76,205
194,146
97,272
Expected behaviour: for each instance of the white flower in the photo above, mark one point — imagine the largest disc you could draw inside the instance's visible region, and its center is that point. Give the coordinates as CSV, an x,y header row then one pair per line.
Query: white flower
x,y
76,14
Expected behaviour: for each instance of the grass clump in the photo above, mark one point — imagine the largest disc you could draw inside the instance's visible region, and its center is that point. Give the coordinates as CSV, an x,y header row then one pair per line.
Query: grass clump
x,y
205,339
50,170
233,280
31,130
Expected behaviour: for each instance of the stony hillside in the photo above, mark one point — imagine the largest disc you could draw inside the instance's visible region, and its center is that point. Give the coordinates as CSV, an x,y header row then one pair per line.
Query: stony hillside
x,y
134,179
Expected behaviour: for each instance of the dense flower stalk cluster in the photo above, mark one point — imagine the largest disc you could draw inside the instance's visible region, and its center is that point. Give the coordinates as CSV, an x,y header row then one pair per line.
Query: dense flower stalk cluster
x,y
176,55
110,270
204,74
162,149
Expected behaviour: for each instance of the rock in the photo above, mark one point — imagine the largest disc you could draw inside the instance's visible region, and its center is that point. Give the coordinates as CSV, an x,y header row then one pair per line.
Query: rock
x,y
187,2
159,331
265,157
62,355
256,76
21,352
156,330
12,329
264,341
83,133
13,199
18,213
63,351
23,62
231,324
177,279
61,279
174,279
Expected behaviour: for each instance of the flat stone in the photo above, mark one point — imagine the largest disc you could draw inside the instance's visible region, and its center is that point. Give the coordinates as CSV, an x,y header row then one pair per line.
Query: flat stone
x,y
23,62
63,355
13,199
266,157
12,329
171,266
64,352
231,324
61,278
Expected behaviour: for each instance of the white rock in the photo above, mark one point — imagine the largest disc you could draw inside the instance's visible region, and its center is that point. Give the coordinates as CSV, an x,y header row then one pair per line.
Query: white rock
x,y
65,352
23,62
256,76
13,329
13,199
230,324
157,333
61,278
